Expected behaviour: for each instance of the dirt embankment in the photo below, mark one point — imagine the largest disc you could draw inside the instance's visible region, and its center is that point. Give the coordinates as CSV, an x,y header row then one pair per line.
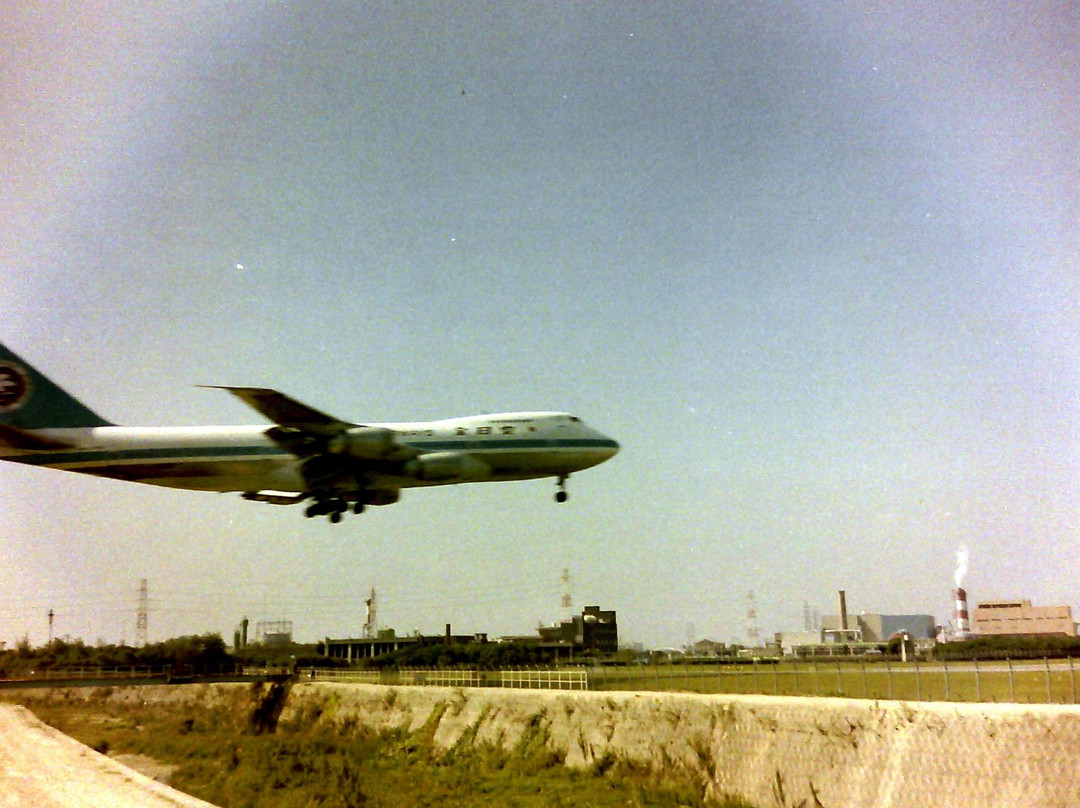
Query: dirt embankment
x,y
44,768
767,750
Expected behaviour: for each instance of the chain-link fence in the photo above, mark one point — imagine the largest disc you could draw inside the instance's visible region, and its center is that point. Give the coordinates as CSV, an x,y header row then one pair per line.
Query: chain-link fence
x,y
1045,681
1027,681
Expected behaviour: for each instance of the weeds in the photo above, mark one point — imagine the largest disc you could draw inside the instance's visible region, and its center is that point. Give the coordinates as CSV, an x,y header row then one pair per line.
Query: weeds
x,y
226,757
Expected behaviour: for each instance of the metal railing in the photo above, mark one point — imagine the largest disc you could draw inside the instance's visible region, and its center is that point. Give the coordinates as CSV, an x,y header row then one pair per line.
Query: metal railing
x,y
448,677
367,677
1044,681
559,679
531,678
88,672
1053,681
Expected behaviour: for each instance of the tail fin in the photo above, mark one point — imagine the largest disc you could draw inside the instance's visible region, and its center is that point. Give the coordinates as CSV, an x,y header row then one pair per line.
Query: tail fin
x,y
28,400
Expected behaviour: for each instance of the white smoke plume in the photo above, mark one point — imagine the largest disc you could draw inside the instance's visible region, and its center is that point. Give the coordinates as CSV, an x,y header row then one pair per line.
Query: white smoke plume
x,y
961,565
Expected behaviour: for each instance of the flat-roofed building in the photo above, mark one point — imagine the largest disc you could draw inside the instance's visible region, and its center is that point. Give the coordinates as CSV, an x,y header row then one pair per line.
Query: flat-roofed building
x,y
874,627
1020,617
595,630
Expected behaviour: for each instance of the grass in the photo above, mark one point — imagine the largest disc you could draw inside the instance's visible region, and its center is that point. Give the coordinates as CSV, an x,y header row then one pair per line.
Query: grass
x,y
230,755
988,682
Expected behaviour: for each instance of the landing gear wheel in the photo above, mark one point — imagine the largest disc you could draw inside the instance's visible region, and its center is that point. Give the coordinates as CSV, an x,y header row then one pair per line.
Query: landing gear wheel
x,y
561,495
335,516
358,508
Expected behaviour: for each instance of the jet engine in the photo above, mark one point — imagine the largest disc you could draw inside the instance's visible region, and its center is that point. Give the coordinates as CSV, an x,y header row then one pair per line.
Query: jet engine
x,y
379,496
364,442
447,466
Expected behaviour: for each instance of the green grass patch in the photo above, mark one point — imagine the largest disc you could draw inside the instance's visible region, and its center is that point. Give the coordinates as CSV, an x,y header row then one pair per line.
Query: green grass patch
x,y
1024,682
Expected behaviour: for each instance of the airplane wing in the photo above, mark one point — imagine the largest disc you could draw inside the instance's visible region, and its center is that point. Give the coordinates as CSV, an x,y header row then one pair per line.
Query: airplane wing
x,y
285,411
307,432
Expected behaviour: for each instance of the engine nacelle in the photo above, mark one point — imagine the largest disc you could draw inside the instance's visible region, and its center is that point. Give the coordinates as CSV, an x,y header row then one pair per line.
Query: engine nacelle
x,y
380,496
438,466
365,442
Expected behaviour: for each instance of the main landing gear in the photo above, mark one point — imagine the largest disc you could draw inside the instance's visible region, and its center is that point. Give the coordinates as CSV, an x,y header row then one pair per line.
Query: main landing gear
x,y
561,495
333,509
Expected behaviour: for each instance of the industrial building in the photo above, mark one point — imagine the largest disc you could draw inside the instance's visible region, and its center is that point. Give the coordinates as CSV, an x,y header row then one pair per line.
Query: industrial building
x,y
594,631
880,628
845,633
1000,617
274,632
386,642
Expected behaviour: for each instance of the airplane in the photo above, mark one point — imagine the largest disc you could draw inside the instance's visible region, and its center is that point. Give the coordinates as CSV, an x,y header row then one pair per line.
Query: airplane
x,y
305,455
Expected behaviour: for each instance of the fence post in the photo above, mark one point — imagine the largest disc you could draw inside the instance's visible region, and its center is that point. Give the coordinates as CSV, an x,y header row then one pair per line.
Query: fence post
x,y
795,675
757,687
1072,682
945,664
918,681
817,680
1012,687
1049,700
978,681
888,676
776,679
862,669
839,680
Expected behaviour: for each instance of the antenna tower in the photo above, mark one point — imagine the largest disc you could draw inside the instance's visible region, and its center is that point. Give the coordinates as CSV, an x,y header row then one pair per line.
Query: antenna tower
x,y
752,635
369,616
567,601
141,633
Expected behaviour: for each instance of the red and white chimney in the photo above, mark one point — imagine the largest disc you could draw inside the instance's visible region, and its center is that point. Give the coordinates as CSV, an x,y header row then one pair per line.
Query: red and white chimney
x,y
963,623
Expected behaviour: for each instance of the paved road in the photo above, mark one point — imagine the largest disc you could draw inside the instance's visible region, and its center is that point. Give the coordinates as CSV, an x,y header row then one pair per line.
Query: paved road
x,y
44,768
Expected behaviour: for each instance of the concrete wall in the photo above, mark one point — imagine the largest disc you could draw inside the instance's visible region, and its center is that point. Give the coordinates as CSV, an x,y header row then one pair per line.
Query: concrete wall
x,y
772,751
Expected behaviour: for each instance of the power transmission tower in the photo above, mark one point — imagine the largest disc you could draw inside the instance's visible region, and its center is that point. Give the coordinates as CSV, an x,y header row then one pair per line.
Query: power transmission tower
x,y
567,601
142,637
752,635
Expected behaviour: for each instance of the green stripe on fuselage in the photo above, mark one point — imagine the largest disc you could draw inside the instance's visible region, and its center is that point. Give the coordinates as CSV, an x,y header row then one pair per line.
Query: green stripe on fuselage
x,y
200,453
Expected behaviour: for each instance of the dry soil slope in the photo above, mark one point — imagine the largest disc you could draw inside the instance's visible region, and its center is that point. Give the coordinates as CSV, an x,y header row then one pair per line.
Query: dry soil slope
x,y
41,767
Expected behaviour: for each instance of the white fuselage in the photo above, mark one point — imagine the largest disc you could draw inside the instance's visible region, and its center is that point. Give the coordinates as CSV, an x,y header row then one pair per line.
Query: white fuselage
x,y
507,446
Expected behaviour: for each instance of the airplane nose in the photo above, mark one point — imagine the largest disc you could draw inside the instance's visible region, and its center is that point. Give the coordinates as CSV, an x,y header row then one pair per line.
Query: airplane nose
x,y
610,446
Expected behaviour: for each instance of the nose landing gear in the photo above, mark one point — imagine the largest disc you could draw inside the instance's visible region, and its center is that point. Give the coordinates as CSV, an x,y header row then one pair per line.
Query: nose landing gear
x,y
561,495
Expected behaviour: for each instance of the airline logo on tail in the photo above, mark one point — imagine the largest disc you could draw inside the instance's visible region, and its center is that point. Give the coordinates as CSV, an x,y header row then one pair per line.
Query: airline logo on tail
x,y
14,386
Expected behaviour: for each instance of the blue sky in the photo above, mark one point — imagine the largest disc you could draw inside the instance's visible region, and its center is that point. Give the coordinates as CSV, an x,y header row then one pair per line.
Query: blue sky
x,y
814,266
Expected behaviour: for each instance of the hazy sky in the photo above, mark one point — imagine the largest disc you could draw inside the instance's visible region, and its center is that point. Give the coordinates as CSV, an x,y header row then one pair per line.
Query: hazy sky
x,y
814,266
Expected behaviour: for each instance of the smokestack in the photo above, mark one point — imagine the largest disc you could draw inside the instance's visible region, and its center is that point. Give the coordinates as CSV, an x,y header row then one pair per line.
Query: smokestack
x,y
963,625
448,634
843,610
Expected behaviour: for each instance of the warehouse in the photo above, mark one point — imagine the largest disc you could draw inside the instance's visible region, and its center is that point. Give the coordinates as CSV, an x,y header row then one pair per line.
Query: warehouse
x,y
1020,617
